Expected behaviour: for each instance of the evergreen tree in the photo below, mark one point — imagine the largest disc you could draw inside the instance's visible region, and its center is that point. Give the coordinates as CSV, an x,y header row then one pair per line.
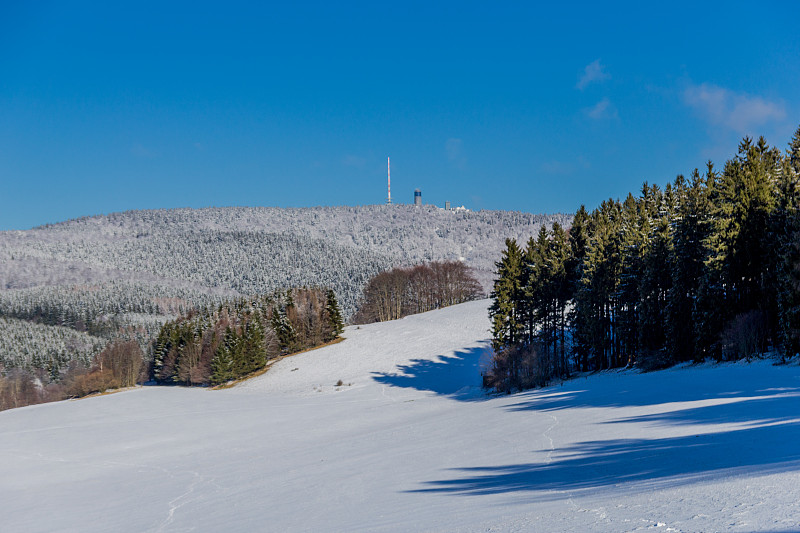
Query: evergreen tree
x,y
579,236
742,210
283,329
786,240
222,366
507,309
252,346
334,316
599,285
636,219
161,348
560,254
793,153
688,267
657,280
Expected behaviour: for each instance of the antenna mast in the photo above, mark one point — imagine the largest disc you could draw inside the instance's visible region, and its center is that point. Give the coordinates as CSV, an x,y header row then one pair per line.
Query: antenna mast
x,y
389,181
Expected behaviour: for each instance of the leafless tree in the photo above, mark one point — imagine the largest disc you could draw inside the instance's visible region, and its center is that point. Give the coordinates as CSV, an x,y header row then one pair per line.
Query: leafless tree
x,y
403,291
123,360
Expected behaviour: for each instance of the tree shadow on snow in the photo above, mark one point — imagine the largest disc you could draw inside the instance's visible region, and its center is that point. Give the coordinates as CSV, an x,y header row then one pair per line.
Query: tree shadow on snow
x,y
624,389
457,376
763,441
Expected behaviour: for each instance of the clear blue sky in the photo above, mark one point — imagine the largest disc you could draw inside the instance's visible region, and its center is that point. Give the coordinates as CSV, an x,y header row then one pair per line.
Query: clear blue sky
x,y
110,106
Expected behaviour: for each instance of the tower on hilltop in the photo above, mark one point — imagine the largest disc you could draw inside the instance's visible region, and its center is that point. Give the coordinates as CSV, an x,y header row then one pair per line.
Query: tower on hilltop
x,y
388,181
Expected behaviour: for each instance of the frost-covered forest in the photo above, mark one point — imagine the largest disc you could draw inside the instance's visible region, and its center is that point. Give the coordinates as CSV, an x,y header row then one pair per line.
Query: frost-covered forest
x,y
33,346
123,275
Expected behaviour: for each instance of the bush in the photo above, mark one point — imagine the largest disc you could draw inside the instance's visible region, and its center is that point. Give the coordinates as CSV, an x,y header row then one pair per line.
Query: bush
x,y
745,336
93,382
517,368
650,360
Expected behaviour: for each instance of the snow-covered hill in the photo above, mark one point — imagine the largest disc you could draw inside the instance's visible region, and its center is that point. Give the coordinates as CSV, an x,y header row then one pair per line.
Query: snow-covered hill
x,y
134,270
410,443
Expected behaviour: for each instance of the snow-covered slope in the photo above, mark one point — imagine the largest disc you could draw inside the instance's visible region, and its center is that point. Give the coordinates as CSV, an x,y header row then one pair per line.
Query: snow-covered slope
x,y
409,443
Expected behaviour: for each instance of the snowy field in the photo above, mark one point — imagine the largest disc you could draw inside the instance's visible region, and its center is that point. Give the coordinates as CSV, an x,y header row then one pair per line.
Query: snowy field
x,y
410,443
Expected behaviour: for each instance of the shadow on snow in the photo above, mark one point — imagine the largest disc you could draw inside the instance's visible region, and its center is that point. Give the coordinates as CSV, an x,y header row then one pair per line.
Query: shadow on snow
x,y
457,376
762,440
617,389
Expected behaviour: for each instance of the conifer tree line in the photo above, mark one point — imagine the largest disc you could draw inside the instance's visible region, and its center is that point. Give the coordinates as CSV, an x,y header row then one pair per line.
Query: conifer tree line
x,y
706,268
239,337
403,291
199,348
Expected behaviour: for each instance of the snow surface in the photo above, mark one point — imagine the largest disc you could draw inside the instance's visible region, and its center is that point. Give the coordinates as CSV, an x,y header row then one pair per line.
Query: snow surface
x,y
411,443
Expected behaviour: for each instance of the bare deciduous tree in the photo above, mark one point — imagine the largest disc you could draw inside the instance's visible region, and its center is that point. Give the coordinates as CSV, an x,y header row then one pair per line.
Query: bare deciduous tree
x,y
403,291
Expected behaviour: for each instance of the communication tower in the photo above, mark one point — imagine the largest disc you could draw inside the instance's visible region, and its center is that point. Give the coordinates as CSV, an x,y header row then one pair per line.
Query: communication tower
x,y
388,181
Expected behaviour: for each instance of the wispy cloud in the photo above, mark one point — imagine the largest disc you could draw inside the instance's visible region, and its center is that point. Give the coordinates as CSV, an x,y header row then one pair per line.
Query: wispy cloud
x,y
593,72
139,150
454,148
602,110
556,167
353,161
738,112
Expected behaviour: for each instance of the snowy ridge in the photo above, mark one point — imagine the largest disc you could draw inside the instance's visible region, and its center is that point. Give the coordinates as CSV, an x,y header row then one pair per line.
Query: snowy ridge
x,y
413,445
97,271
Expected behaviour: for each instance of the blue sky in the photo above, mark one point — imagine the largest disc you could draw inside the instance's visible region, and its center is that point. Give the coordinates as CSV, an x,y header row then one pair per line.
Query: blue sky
x,y
111,106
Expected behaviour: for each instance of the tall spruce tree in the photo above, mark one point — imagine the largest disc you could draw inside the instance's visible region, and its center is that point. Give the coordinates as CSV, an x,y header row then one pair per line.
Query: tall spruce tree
x,y
283,328
562,293
333,315
635,228
579,236
786,233
222,369
253,350
601,276
657,280
688,266
506,311
531,278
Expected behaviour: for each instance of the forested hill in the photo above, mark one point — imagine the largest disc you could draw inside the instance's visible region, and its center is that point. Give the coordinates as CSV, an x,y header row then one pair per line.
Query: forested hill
x,y
131,271
250,250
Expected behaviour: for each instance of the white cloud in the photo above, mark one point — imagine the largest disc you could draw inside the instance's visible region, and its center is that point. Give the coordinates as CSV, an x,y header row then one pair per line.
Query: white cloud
x,y
593,72
739,112
603,109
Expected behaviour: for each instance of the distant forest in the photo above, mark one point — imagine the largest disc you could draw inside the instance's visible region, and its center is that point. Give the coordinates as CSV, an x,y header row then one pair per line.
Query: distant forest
x,y
210,346
240,337
706,268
